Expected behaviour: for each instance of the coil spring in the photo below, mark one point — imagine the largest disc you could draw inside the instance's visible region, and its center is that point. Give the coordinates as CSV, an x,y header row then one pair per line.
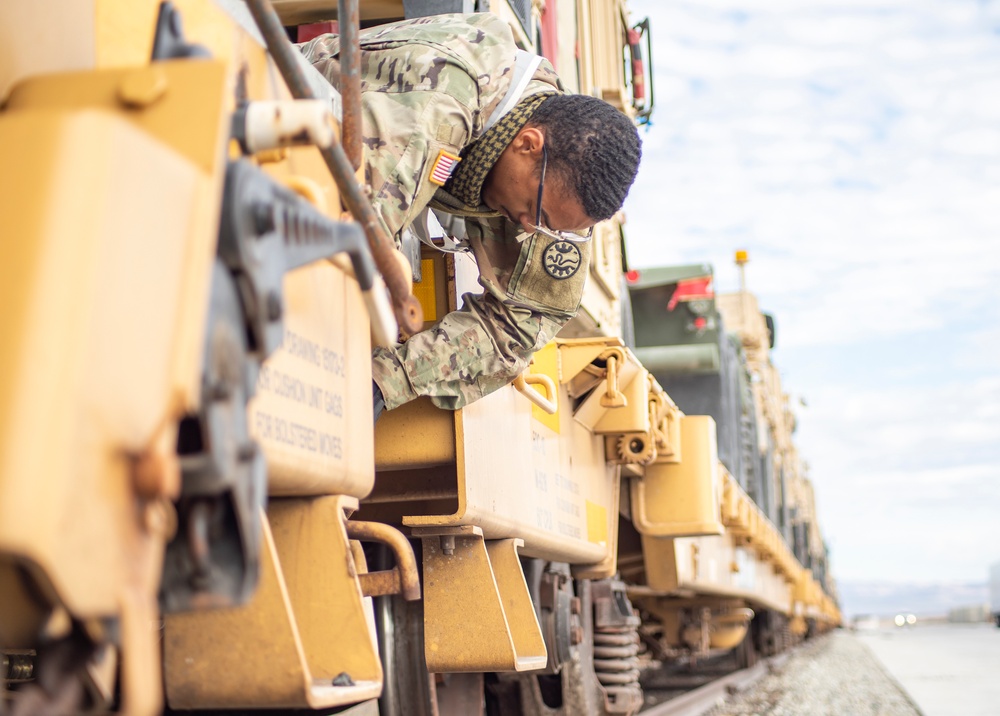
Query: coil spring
x,y
17,667
616,661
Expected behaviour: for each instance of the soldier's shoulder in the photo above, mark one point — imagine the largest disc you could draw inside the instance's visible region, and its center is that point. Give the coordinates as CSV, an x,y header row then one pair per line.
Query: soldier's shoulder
x,y
490,24
454,29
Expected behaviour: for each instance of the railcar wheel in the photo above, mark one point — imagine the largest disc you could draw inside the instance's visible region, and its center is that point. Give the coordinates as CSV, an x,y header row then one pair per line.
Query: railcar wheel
x,y
407,688
746,652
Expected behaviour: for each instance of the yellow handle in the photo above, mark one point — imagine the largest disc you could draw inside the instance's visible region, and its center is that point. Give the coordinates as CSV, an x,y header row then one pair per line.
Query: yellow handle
x,y
547,403
613,397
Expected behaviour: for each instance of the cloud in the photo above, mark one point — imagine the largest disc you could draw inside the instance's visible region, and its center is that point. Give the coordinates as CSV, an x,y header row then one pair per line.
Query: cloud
x,y
852,147
974,142
907,480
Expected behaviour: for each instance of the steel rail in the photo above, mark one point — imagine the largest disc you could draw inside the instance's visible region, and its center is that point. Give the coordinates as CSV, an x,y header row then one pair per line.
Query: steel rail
x,y
704,698
405,305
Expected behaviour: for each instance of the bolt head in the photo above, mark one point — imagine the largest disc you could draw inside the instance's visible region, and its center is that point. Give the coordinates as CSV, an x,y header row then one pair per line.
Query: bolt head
x,y
263,217
274,307
143,87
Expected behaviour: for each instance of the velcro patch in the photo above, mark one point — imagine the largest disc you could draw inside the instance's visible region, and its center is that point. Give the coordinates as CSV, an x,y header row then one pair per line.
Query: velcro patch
x,y
442,167
561,260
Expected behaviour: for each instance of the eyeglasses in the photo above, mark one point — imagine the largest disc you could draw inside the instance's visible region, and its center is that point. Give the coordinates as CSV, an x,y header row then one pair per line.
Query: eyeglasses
x,y
550,233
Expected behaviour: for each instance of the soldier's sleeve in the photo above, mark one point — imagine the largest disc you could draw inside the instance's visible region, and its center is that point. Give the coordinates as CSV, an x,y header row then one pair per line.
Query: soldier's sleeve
x,y
483,347
405,134
417,102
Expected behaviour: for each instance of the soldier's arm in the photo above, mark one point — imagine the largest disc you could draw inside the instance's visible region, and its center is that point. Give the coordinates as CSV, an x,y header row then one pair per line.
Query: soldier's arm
x,y
467,355
479,349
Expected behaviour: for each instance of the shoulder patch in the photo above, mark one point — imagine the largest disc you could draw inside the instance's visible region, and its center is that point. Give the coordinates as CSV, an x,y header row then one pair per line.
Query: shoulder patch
x,y
561,259
442,167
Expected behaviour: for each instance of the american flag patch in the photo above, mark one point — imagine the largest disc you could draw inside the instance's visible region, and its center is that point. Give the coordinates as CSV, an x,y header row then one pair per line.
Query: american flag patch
x,y
443,166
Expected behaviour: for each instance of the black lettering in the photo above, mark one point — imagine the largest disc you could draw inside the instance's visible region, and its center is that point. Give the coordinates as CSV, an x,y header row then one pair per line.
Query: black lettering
x,y
331,446
333,404
537,443
301,347
568,507
568,529
281,432
333,362
305,437
262,424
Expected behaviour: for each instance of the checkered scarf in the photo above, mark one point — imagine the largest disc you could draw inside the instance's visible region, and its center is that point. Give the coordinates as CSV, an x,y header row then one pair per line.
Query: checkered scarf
x,y
466,182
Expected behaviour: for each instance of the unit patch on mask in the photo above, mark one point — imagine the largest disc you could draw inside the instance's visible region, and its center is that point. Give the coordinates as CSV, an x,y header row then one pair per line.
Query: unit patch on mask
x,y
561,259
443,166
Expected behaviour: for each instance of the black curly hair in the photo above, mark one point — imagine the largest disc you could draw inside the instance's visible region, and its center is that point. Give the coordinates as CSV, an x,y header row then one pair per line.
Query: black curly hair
x,y
594,147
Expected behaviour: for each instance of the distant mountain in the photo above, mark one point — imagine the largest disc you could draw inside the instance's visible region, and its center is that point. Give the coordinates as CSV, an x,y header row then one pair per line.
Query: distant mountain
x,y
886,599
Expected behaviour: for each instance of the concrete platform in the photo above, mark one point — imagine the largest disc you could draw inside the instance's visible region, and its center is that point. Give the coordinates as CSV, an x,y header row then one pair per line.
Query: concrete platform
x,y
947,669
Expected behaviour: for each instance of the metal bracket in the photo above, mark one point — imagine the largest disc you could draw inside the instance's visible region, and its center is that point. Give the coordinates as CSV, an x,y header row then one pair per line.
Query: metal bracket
x,y
682,500
169,42
268,230
304,640
504,635
621,405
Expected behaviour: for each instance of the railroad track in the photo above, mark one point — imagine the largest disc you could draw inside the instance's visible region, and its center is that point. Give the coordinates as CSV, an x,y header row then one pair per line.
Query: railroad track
x,y
700,699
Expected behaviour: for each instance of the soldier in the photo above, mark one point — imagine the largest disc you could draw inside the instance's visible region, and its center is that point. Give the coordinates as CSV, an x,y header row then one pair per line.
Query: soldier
x,y
457,119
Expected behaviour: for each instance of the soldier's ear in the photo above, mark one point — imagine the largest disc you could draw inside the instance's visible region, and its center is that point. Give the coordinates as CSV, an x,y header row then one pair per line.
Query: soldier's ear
x,y
529,141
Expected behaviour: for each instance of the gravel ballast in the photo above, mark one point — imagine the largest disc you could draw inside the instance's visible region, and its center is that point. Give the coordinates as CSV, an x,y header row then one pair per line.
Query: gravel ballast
x,y
835,675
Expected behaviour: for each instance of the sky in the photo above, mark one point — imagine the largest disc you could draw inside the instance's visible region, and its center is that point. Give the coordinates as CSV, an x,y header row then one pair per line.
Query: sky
x,y
853,148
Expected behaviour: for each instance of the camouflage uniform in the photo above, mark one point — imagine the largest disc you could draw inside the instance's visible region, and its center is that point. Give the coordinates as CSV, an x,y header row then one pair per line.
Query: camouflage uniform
x,y
428,85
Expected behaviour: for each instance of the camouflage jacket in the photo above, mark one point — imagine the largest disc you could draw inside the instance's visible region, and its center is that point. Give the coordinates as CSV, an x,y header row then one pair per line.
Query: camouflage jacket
x,y
429,85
